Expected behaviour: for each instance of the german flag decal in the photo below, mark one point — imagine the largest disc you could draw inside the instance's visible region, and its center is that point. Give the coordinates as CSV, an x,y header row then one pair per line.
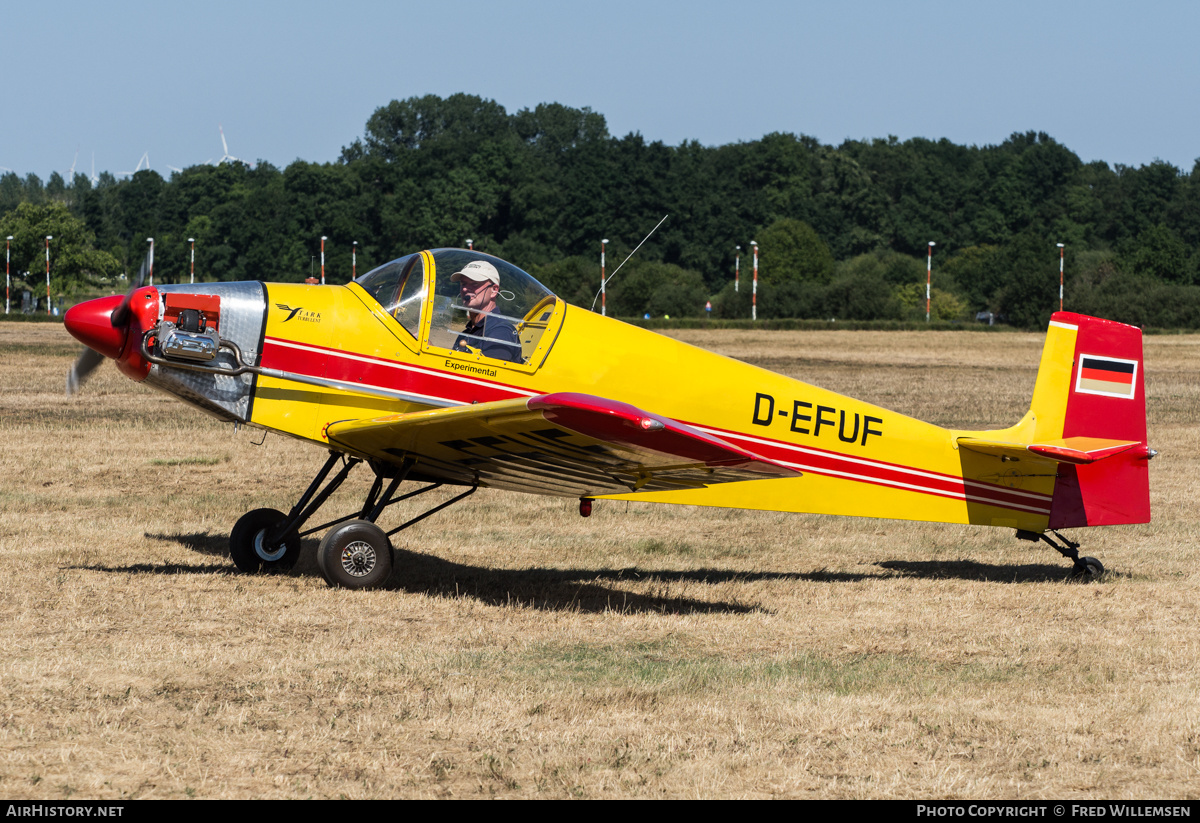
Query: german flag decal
x,y
1106,375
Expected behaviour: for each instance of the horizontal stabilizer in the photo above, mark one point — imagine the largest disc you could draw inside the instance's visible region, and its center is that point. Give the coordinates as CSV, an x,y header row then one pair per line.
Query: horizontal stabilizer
x,y
1076,450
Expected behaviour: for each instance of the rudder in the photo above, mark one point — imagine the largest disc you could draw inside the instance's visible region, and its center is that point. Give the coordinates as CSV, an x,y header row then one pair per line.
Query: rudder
x,y
1091,384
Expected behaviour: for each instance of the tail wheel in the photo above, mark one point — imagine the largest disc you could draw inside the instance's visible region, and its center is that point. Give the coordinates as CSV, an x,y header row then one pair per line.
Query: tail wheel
x,y
1089,568
355,555
250,550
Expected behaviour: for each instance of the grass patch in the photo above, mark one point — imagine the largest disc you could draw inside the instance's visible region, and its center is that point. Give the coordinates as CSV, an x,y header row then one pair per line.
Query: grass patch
x,y
667,668
643,664
189,461
654,546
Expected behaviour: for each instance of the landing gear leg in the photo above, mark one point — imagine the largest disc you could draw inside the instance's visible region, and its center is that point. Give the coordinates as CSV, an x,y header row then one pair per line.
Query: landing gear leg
x,y
1086,567
356,553
359,554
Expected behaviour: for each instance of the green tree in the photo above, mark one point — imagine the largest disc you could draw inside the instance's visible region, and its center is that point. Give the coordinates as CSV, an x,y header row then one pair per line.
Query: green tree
x,y
730,303
1029,294
12,193
860,296
1160,253
452,127
979,273
791,251
943,305
575,279
659,289
73,258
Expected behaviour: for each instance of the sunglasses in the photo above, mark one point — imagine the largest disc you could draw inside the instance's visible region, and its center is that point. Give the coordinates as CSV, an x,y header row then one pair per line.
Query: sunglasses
x,y
475,285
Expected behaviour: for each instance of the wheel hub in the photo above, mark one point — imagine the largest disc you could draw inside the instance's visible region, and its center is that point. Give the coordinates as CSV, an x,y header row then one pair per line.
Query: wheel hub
x,y
358,558
265,552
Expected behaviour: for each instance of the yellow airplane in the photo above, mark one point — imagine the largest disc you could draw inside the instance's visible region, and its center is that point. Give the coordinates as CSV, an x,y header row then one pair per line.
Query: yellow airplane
x,y
453,367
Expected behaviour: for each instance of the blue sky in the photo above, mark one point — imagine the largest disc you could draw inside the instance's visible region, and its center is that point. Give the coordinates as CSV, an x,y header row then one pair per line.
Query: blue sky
x,y
1112,81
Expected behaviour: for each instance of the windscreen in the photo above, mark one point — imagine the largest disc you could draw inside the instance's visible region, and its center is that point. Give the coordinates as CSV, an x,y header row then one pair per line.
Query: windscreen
x,y
486,307
399,286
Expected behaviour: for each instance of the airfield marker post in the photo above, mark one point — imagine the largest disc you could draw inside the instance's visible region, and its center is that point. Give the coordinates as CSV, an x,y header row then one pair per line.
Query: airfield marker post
x,y
354,260
754,285
7,273
49,237
323,239
928,278
1060,276
192,240
603,294
737,263
150,240
470,244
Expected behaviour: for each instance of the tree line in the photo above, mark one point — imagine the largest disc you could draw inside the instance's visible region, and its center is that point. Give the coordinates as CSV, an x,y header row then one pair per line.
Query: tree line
x,y
842,231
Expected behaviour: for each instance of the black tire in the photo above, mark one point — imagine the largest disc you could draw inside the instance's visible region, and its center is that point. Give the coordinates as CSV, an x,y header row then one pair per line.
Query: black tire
x,y
1089,568
355,555
246,543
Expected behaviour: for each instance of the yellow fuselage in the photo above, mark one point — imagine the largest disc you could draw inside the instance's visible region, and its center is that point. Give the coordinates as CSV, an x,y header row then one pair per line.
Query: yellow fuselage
x,y
856,458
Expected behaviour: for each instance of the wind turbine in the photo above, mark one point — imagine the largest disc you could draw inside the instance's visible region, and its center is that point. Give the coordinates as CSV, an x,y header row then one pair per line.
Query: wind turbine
x,y
144,159
225,147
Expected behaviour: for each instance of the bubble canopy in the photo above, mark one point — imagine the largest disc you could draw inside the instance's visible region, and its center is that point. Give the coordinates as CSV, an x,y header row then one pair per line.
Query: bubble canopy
x,y
509,329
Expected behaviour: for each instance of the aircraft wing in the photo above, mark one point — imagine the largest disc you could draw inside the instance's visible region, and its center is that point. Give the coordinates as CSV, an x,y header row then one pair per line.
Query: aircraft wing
x,y
1077,450
565,444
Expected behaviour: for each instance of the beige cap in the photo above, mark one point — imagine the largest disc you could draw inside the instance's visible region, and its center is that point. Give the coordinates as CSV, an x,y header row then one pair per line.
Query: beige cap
x,y
477,270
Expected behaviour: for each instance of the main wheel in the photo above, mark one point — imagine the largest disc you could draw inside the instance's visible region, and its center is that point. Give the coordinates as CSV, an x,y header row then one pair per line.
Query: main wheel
x,y
247,546
355,555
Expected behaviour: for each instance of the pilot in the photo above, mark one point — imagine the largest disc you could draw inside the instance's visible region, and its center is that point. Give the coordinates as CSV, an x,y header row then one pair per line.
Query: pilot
x,y
493,335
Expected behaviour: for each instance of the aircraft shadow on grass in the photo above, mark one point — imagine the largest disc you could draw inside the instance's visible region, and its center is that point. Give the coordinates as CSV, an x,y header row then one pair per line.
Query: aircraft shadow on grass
x,y
585,590
983,572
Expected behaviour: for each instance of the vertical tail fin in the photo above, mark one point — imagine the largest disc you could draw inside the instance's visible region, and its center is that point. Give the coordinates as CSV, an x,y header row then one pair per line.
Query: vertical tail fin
x,y
1091,384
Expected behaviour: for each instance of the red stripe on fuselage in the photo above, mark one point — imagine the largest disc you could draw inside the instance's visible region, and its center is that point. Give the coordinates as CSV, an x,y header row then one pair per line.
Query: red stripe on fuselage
x,y
893,475
333,364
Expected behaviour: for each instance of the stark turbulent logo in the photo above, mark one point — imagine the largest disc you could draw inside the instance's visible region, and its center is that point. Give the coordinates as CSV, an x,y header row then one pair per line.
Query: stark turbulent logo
x,y
305,314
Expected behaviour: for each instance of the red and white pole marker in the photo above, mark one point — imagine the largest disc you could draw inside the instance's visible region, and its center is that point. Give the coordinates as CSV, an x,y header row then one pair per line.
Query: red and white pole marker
x,y
754,286
49,237
603,293
928,278
354,260
1060,276
323,239
7,274
192,269
150,240
737,263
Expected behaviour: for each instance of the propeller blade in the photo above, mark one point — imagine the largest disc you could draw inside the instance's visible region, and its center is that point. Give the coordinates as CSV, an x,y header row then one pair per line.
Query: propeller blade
x,y
89,358
85,364
120,315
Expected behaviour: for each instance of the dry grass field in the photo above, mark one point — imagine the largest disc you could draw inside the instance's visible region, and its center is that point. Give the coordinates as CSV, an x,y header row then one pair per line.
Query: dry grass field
x,y
523,651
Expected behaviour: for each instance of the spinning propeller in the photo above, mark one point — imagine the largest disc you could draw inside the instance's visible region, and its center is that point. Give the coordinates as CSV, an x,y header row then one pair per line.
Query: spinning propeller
x,y
103,329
